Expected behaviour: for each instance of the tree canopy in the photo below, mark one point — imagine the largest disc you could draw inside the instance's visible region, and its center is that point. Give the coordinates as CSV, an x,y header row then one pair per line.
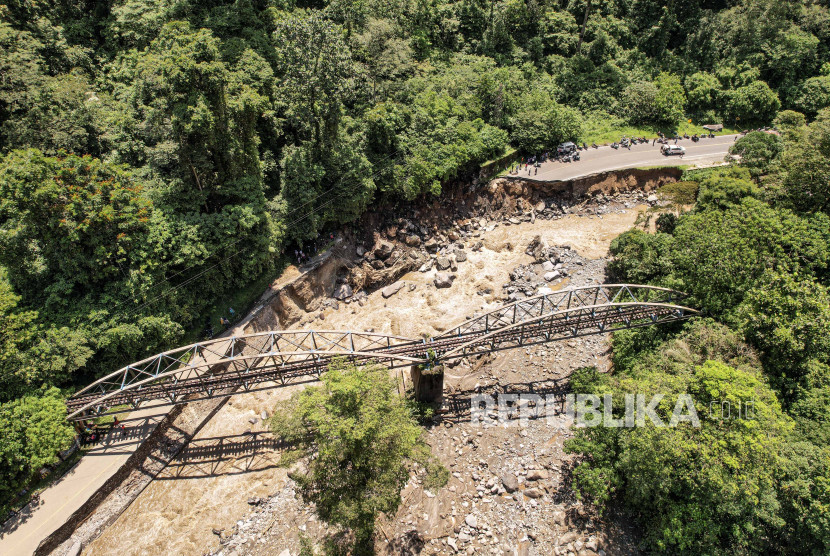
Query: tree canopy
x,y
360,437
157,157
753,253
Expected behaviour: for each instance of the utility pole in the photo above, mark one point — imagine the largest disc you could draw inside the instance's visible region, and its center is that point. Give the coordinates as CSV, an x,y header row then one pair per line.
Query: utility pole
x,y
582,32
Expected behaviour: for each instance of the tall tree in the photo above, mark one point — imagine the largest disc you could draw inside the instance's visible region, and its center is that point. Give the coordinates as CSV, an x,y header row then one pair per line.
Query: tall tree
x,y
360,436
316,73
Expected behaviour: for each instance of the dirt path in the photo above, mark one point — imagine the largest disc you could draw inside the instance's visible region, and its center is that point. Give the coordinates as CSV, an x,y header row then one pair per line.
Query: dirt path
x,y
208,488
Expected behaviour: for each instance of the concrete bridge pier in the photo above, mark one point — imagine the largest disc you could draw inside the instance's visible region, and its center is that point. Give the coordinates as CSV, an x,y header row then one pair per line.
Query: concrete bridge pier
x,y
428,384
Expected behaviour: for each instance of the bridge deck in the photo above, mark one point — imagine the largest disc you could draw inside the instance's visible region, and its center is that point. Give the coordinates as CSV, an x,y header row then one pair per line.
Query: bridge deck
x,y
271,359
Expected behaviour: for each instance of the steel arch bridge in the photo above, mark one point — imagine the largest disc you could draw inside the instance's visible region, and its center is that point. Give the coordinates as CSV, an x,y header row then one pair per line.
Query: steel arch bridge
x,y
239,364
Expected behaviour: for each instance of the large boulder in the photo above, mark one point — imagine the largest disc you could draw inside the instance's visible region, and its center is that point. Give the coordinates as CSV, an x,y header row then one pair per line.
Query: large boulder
x,y
510,482
442,263
567,538
342,291
537,474
391,290
383,250
443,280
552,275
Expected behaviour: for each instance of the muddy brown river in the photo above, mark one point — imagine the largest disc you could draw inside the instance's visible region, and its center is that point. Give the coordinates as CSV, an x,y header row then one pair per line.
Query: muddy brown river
x,y
209,484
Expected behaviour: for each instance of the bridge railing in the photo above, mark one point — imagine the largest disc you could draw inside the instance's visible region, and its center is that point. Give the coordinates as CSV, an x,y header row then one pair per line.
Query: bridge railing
x,y
220,366
538,305
186,370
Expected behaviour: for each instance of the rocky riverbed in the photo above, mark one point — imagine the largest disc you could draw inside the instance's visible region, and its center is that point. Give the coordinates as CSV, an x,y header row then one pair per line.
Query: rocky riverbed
x,y
509,487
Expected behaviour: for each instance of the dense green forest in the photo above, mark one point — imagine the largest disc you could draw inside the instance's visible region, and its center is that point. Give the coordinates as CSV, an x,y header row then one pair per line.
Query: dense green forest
x,y
156,155
755,253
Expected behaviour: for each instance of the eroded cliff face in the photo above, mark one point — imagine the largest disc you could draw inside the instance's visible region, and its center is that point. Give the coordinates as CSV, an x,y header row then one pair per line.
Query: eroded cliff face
x,y
200,503
606,183
307,292
391,245
335,268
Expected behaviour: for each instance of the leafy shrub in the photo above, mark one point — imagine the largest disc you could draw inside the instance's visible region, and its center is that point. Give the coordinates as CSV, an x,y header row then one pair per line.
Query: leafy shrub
x,y
666,222
758,150
640,258
680,192
753,104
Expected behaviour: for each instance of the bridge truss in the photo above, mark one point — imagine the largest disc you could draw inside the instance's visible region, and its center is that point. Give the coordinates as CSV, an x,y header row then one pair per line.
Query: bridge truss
x,y
239,364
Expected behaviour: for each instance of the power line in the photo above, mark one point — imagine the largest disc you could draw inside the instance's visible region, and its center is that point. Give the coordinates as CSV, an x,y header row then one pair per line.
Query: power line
x,y
232,255
296,209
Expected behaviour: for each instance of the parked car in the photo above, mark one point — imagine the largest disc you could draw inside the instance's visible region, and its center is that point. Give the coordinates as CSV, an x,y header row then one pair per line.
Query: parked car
x,y
566,148
669,150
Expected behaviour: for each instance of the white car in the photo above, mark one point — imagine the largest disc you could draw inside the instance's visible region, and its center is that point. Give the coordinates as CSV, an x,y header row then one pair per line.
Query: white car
x,y
669,150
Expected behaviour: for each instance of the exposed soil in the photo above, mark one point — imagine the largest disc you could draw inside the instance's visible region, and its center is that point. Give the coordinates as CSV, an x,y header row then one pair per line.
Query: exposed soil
x,y
224,493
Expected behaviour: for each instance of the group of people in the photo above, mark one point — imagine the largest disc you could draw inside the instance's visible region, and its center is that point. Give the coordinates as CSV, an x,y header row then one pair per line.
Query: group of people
x,y
531,164
662,138
91,434
223,321
514,170
302,257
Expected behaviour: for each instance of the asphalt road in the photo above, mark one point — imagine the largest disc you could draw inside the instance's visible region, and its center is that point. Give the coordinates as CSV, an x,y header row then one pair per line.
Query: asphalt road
x,y
20,536
593,161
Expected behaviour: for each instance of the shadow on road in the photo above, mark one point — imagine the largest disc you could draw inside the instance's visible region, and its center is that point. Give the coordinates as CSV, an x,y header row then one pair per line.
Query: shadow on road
x,y
19,518
120,440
